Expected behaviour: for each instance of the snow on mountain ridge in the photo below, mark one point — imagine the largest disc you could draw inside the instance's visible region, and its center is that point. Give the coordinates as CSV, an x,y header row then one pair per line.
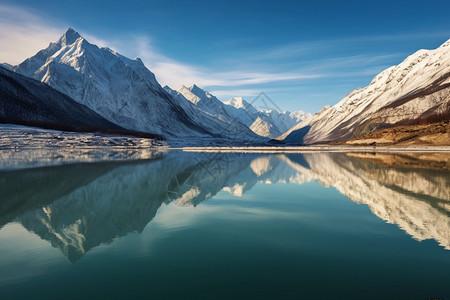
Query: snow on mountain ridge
x,y
120,89
212,118
278,122
414,89
239,102
263,128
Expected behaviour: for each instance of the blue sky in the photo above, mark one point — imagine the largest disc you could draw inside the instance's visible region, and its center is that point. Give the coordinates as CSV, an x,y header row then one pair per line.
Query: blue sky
x,y
303,54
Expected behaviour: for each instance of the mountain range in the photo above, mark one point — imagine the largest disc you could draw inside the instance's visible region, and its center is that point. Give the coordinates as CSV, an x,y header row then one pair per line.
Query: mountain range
x,y
236,111
126,94
268,123
417,91
120,89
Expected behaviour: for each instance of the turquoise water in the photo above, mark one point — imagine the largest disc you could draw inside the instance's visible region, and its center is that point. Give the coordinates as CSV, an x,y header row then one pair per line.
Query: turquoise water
x,y
229,226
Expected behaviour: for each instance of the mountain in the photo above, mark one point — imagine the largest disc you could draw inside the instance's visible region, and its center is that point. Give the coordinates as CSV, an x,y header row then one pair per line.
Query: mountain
x,y
6,66
300,115
276,120
241,110
206,109
27,101
120,89
434,134
205,101
264,128
416,91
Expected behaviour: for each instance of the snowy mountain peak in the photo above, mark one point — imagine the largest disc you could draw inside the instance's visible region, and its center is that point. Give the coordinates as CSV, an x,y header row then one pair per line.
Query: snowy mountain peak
x,y
412,92
69,37
120,89
300,116
188,94
264,128
238,102
196,89
201,93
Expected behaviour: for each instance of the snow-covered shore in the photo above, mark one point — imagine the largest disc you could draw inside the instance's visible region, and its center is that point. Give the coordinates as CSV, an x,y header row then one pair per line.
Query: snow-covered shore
x,y
24,137
29,147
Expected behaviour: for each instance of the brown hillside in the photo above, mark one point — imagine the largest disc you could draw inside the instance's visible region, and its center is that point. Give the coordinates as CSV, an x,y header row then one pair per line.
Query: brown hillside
x,y
435,134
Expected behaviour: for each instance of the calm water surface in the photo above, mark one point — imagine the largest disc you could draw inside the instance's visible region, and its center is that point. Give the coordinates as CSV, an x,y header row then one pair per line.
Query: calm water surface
x,y
229,226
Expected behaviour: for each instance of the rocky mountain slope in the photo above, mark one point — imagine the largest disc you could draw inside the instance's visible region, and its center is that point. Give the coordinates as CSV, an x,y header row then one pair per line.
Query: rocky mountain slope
x,y
206,109
120,89
277,121
27,101
125,92
435,134
264,128
416,91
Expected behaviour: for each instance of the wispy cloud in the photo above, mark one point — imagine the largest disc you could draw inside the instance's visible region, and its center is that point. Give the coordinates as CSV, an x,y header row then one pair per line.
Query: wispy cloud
x,y
335,45
291,71
175,73
23,33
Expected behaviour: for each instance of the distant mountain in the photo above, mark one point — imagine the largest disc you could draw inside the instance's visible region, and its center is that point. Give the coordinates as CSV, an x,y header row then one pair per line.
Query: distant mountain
x,y
264,128
120,89
238,112
6,66
27,101
206,109
278,122
205,101
416,91
241,110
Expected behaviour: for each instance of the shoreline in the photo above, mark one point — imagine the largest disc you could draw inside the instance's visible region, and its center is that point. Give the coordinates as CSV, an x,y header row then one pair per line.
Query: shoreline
x,y
307,149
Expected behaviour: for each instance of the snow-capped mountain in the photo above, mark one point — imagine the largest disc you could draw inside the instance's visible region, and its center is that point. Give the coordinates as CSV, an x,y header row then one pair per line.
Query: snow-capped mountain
x,y
415,91
300,115
205,101
264,128
273,119
241,110
120,89
206,109
27,101
6,66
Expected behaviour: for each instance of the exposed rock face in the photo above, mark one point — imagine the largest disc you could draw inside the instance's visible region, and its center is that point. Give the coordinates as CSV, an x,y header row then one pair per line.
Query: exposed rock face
x,y
23,99
275,121
204,108
120,89
416,91
264,128
435,134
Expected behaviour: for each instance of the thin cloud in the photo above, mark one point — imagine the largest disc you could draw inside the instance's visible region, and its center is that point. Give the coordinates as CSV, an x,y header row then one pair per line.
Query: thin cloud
x,y
175,73
333,44
23,33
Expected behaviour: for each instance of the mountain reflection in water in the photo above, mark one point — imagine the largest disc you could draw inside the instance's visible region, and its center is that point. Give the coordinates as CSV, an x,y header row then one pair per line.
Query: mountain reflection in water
x,y
78,207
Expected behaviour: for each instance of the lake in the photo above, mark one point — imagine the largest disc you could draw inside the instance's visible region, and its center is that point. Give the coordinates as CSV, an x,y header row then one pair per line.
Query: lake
x,y
213,225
